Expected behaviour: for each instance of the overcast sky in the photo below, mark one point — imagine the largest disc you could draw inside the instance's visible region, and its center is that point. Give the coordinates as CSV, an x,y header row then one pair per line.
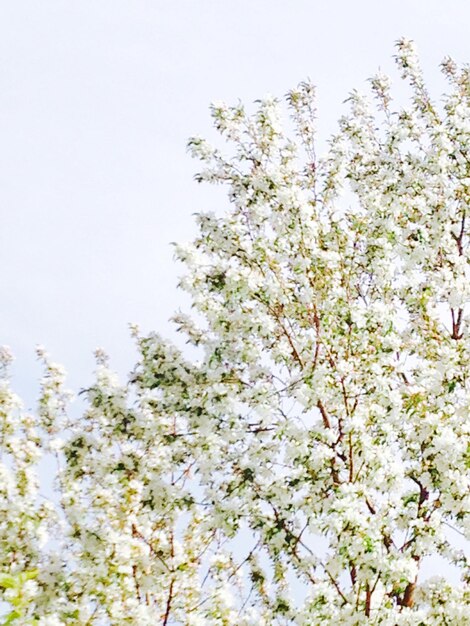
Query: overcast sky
x,y
97,100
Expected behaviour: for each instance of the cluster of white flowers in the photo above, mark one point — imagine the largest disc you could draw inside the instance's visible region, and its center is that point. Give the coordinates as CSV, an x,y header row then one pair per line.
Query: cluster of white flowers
x,y
303,469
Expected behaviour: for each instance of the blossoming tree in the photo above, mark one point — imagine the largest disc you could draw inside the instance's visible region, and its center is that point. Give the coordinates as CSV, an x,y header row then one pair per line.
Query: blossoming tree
x,y
315,453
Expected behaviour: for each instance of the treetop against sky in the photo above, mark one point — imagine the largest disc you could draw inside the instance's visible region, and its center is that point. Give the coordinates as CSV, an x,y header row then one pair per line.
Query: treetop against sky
x,y
312,458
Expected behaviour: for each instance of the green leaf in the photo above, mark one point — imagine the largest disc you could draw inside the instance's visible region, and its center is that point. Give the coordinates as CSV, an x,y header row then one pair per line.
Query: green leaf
x,y
7,581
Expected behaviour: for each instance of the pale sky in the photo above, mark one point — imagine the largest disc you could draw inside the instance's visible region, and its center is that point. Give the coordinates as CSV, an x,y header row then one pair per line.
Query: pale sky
x,y
97,100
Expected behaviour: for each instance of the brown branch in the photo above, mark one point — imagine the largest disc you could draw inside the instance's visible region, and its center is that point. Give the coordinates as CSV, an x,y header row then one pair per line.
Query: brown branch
x,y
459,238
353,574
292,545
324,414
136,582
295,353
351,458
456,324
169,600
316,323
345,396
408,597
368,600
156,554
387,541
327,424
423,492
335,584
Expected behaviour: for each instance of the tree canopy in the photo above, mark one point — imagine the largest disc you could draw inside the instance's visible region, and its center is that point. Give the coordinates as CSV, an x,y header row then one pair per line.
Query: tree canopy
x,y
312,456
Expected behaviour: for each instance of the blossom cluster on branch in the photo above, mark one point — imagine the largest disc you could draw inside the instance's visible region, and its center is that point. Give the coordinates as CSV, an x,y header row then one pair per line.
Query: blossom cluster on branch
x,y
303,468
